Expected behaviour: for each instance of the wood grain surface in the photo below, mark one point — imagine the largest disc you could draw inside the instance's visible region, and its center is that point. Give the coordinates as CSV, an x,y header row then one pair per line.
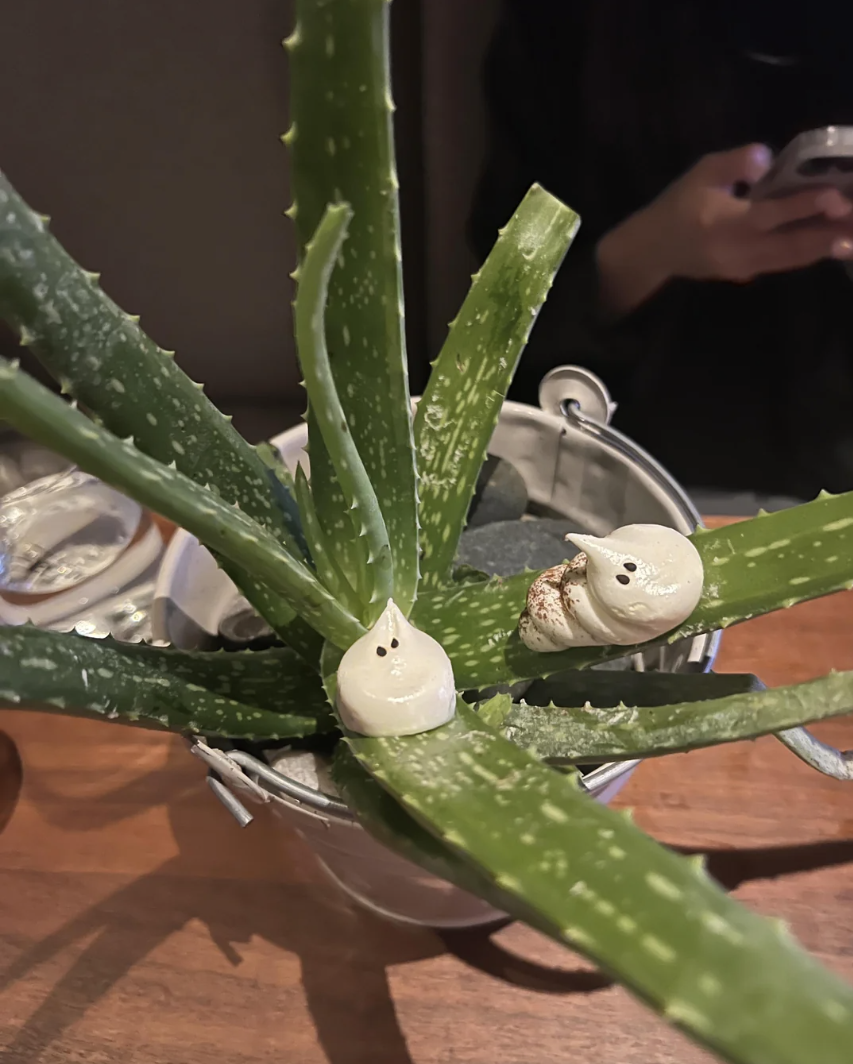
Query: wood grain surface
x,y
139,924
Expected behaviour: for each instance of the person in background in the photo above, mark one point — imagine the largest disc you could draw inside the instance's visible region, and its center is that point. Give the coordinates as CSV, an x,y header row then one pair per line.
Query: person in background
x,y
723,328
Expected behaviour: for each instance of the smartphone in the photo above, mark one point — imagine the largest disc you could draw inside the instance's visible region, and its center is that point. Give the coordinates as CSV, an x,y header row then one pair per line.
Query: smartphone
x,y
819,158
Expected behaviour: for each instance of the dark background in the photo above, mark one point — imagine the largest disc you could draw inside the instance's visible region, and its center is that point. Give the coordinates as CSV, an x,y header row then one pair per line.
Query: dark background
x,y
149,133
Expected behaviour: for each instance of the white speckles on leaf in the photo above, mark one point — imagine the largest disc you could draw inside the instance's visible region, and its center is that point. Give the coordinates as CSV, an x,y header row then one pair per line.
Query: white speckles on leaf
x,y
553,812
717,925
687,1015
44,664
659,949
663,886
579,936
838,526
836,1011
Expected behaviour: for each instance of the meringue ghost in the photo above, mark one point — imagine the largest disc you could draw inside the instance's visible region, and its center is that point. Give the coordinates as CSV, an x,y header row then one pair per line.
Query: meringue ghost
x,y
630,586
395,680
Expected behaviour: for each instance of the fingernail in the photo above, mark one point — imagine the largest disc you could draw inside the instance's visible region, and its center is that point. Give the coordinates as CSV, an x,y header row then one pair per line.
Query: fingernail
x,y
833,205
761,155
842,248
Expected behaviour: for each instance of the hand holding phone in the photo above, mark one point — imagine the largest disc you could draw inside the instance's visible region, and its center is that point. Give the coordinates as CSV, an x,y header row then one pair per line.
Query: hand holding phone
x,y
820,158
698,228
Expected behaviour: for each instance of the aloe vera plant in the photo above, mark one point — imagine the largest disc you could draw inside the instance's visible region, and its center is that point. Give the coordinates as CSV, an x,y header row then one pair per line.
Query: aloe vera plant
x,y
381,517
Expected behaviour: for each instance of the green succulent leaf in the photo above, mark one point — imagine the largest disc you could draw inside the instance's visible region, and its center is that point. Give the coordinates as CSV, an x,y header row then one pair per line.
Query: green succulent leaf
x,y
587,735
102,358
277,680
494,711
460,408
277,612
322,550
342,150
361,500
389,823
36,412
733,980
766,563
607,688
268,695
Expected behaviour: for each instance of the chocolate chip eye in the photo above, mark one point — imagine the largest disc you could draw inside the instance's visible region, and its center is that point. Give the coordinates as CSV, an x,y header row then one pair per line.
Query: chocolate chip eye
x,y
631,567
623,579
395,643
381,651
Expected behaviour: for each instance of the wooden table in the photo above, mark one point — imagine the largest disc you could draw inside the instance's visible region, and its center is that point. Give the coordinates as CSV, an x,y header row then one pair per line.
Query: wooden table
x,y
139,923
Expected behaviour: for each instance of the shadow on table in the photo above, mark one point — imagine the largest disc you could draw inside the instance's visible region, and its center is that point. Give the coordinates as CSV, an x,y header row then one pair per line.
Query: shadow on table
x,y
11,776
345,953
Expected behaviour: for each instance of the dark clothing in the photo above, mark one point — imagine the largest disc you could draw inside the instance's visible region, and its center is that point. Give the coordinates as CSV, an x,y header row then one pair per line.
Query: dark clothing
x,y
741,387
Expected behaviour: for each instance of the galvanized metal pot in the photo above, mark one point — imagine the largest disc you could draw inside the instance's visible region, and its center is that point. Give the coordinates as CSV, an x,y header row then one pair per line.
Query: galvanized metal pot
x,y
575,466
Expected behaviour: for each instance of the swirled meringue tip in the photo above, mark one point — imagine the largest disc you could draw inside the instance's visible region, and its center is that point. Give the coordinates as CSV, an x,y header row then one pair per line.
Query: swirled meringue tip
x,y
395,680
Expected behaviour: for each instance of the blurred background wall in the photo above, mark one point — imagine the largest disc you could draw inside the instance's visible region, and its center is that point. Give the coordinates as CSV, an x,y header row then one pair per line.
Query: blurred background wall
x,y
149,133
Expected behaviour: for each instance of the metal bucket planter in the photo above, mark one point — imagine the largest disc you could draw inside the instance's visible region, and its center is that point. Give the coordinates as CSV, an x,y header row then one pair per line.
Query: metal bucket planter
x,y
575,466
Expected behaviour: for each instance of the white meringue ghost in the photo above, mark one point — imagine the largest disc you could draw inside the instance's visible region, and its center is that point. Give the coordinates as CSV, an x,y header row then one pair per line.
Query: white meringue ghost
x,y
395,680
630,586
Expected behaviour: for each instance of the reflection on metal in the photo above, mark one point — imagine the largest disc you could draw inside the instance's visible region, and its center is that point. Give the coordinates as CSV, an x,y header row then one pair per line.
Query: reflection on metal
x,y
245,772
825,758
573,386
234,806
528,437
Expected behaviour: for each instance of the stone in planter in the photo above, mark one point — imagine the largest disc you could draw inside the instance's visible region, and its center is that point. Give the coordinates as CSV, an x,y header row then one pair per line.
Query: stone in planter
x,y
500,494
507,547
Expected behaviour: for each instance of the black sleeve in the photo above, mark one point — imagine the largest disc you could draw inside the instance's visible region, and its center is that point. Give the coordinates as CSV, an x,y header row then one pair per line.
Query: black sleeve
x,y
532,85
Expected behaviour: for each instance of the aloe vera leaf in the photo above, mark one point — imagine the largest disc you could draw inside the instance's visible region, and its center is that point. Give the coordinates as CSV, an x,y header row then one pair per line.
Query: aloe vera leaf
x,y
322,551
342,149
54,670
753,567
467,574
732,980
36,412
328,413
587,735
101,357
277,612
389,823
278,475
271,458
494,711
606,688
460,407
277,680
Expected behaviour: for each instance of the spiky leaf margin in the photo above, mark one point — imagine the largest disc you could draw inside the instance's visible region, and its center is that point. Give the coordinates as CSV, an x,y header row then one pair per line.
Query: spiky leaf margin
x,y
462,402
342,149
734,981
159,688
756,566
